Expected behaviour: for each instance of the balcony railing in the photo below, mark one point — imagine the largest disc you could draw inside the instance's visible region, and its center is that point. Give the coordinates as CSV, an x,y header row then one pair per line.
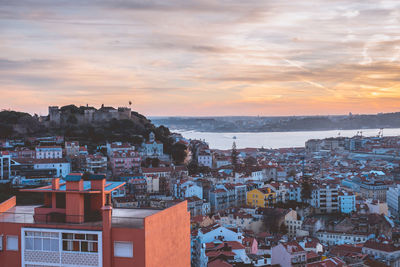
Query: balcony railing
x,y
93,220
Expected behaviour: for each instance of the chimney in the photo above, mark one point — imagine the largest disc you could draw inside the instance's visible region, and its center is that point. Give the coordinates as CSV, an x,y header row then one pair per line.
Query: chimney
x,y
55,184
74,182
97,182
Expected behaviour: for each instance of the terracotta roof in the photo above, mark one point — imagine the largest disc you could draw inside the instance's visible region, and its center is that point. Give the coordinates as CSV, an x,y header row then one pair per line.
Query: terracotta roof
x,y
219,263
293,247
331,262
382,246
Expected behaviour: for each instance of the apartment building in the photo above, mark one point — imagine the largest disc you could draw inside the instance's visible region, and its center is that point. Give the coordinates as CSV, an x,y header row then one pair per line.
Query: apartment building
x,y
261,197
375,190
72,148
96,164
48,152
289,254
393,200
325,198
76,226
124,161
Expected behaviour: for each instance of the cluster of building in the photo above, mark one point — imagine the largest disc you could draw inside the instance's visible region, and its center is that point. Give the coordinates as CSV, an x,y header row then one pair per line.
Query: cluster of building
x,y
335,202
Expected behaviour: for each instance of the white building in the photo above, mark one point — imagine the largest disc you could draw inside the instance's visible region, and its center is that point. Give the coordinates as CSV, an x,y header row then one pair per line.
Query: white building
x,y
153,148
96,164
72,148
339,238
347,202
393,200
62,167
188,189
48,152
385,252
325,198
210,234
288,254
205,159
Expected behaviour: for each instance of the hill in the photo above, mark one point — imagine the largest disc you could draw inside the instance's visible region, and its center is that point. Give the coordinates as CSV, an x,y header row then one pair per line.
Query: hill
x,y
88,125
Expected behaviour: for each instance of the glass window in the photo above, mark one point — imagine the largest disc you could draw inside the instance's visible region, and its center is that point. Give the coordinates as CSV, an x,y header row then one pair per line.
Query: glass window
x,y
12,242
43,241
123,249
80,242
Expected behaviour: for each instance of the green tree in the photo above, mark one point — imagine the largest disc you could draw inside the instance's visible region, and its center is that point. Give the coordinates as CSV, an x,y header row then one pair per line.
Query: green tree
x,y
250,161
178,153
234,157
306,190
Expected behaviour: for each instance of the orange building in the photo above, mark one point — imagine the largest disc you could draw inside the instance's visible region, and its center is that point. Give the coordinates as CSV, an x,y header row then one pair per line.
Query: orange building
x,y
77,226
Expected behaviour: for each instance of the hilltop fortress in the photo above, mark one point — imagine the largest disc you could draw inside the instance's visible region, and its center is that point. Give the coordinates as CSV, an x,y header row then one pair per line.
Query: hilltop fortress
x,y
86,114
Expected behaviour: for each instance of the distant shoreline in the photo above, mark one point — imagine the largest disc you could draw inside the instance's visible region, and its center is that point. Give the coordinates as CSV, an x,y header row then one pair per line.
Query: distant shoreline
x,y
274,131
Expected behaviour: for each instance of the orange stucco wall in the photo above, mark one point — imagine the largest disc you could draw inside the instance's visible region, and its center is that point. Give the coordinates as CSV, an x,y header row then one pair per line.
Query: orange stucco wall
x,y
12,258
75,208
8,204
136,236
168,237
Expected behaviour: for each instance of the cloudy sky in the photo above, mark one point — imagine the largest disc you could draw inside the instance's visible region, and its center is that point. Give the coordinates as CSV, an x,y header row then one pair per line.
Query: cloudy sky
x,y
193,57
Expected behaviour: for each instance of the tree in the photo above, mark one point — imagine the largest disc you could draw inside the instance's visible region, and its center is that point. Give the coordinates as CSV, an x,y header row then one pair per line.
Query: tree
x,y
155,162
178,153
234,157
193,168
292,173
250,161
283,229
306,190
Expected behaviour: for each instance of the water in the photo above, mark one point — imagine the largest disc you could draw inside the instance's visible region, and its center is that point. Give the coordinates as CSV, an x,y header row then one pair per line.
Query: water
x,y
275,139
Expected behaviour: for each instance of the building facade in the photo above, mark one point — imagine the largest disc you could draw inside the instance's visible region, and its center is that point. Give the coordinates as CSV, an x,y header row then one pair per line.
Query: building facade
x,y
76,226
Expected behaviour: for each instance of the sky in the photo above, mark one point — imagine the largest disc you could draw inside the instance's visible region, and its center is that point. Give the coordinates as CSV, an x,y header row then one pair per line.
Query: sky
x,y
202,58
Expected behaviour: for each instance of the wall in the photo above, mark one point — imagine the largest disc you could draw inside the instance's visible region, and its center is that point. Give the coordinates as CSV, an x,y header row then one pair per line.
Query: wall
x,y
168,237
136,236
8,204
13,258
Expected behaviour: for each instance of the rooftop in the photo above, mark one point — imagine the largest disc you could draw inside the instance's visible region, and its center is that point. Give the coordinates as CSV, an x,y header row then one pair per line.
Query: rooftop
x,y
129,218
109,186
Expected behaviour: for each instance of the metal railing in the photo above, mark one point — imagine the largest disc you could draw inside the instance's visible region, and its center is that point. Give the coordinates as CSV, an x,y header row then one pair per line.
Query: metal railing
x,y
62,219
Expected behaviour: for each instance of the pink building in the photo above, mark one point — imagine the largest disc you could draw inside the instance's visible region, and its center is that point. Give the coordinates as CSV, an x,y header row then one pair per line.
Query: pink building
x,y
288,254
124,161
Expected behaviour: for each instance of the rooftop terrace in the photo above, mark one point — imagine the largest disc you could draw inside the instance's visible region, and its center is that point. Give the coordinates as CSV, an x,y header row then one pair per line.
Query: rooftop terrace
x,y
125,218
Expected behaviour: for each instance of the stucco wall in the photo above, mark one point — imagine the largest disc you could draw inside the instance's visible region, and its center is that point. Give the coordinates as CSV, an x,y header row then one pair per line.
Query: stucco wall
x,y
168,237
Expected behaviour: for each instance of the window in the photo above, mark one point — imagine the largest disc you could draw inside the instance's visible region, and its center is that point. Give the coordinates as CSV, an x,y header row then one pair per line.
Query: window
x,y
80,242
123,249
1,242
12,242
42,241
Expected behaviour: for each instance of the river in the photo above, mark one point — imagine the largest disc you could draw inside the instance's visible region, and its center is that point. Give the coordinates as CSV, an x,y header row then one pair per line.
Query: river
x,y
275,139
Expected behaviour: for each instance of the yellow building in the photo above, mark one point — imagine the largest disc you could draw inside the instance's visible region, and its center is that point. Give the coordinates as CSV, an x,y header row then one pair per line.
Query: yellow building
x,y
261,197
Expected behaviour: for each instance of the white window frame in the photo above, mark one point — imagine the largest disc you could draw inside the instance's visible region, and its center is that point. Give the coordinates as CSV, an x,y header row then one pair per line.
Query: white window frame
x,y
126,243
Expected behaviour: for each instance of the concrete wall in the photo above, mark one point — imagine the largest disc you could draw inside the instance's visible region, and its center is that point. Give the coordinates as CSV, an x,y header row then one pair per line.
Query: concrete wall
x,y
8,204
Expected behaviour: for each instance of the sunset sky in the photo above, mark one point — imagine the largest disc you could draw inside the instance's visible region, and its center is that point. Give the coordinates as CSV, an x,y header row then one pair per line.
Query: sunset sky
x,y
193,57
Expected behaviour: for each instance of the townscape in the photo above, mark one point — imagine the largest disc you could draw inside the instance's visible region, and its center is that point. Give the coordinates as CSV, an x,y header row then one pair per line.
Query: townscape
x,y
333,202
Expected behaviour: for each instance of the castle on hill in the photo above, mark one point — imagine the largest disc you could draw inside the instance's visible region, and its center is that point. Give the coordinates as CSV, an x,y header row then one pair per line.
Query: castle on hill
x,y
89,114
